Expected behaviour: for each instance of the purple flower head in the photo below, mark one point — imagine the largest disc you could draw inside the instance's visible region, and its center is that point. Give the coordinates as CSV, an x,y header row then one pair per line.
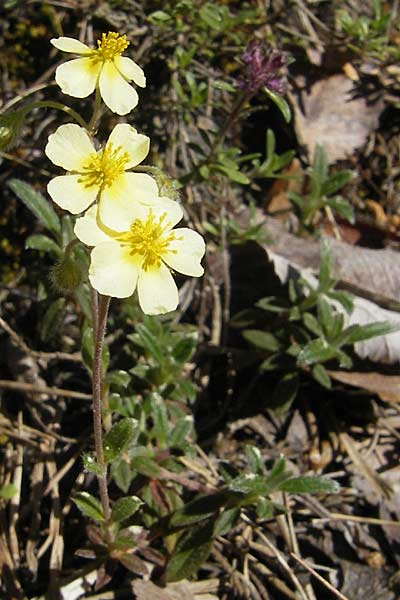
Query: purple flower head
x,y
262,68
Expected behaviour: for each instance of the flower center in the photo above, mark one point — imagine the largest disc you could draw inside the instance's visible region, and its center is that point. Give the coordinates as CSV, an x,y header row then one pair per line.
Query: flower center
x,y
104,167
150,238
110,46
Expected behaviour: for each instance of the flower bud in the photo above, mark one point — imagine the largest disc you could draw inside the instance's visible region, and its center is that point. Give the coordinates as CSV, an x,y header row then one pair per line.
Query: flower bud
x,y
66,274
166,185
10,128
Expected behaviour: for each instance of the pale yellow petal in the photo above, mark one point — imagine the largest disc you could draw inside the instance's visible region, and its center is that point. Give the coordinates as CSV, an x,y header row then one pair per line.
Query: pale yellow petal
x,y
67,44
119,203
69,194
87,230
69,147
185,252
133,143
159,206
130,70
118,95
78,77
113,271
157,291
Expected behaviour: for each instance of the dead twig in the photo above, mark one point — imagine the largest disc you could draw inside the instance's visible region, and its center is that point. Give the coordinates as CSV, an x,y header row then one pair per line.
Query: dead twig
x,y
42,389
326,583
46,356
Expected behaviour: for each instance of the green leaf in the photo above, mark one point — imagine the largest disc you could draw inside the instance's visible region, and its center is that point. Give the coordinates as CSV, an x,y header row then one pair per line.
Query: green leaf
x,y
219,84
345,298
8,491
233,173
254,459
211,16
183,350
122,474
37,204
119,378
249,485
320,374
320,165
180,432
159,16
146,466
51,321
119,437
342,207
90,464
335,182
150,342
204,171
226,521
190,552
312,323
124,508
43,243
88,350
359,333
309,485
89,505
280,103
316,351
325,314
264,509
277,475
262,339
160,420
197,510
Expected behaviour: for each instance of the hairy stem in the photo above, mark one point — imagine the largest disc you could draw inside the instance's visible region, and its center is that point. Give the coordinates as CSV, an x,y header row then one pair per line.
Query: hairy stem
x,y
96,107
100,311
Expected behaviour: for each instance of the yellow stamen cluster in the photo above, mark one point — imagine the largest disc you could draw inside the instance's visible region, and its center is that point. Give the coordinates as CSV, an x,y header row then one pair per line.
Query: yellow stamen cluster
x,y
150,238
102,168
111,45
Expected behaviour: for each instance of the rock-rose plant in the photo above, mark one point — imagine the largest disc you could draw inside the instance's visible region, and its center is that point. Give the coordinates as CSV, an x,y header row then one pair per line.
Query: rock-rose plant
x,y
127,223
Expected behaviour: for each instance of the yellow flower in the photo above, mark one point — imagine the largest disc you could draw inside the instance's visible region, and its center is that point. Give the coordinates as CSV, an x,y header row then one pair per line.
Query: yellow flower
x,y
104,68
142,254
100,174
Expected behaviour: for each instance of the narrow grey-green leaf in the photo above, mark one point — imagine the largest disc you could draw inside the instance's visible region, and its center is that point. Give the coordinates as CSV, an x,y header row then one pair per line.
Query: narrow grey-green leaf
x,y
226,521
309,485
320,374
190,552
37,204
262,339
43,243
281,103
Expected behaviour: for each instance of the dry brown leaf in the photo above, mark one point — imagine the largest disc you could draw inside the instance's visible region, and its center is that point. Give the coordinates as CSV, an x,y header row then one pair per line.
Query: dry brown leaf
x,y
335,114
387,387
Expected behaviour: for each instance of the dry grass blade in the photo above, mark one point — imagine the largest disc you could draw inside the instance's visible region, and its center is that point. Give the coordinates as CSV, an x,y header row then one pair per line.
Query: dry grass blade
x,y
326,583
41,389
383,488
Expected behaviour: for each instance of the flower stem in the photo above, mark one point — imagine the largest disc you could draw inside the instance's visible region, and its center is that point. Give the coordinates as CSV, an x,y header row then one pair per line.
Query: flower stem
x,y
100,306
96,107
58,106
